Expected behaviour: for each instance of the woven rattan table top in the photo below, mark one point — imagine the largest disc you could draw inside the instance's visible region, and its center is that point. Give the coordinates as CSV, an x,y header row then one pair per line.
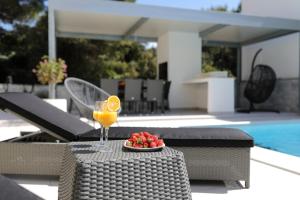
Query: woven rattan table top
x,y
87,152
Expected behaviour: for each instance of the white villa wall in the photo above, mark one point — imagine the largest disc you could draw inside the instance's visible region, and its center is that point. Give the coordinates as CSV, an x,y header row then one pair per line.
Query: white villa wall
x,y
282,54
182,51
272,8
162,49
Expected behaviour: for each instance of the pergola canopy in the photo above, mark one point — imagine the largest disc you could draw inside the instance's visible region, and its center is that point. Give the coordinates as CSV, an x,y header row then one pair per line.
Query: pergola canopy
x,y
110,20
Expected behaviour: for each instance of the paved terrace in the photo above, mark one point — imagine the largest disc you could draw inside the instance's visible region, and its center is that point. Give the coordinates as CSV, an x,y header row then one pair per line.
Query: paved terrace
x,y
273,175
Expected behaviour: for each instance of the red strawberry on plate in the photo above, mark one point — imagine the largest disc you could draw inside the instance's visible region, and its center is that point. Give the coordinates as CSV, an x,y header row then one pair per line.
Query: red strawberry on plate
x,y
135,134
153,145
129,143
146,134
143,138
155,138
160,142
144,141
146,145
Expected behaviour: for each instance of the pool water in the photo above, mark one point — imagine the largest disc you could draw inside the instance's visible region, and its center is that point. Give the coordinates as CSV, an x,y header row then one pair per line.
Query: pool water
x,y
283,136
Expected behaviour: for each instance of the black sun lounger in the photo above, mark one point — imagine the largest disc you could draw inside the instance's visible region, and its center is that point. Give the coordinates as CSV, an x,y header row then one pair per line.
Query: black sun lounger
x,y
66,127
210,153
10,190
48,118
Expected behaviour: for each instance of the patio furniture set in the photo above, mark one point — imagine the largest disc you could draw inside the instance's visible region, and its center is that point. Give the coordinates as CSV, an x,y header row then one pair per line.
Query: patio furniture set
x,y
139,95
84,95
209,153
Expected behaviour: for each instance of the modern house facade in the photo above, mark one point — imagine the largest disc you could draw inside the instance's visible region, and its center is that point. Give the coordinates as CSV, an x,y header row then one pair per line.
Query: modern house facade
x,y
282,53
181,34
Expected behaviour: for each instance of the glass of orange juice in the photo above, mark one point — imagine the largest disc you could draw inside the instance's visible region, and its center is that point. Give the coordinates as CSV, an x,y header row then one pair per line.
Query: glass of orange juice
x,y
106,114
96,117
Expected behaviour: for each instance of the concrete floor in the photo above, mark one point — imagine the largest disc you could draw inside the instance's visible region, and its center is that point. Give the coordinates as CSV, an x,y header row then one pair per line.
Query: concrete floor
x,y
273,175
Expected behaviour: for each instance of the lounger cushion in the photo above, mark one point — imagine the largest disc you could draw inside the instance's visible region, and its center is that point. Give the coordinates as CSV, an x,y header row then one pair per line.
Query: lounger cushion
x,y
45,116
187,137
10,190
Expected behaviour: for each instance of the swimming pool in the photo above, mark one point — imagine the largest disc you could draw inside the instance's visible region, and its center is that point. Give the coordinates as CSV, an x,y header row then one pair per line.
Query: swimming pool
x,y
280,136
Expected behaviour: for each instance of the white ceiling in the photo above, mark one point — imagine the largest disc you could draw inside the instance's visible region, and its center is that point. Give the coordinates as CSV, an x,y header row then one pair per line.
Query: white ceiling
x,y
116,18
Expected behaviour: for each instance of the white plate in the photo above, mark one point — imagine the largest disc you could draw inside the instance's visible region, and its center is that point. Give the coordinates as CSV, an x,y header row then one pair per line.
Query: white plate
x,y
143,149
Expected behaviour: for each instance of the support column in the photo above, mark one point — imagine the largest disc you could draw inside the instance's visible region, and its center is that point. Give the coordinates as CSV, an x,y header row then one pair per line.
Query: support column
x,y
238,77
299,74
183,53
51,34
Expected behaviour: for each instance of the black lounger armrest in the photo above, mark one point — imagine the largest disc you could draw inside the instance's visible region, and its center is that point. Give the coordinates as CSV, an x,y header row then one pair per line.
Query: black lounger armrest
x,y
10,190
44,115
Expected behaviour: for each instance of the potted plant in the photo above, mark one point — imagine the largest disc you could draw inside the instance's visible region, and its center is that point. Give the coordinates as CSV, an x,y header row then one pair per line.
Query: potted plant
x,y
51,71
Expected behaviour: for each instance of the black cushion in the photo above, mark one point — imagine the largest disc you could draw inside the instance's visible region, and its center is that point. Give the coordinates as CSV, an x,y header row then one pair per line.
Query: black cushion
x,y
43,114
186,137
10,190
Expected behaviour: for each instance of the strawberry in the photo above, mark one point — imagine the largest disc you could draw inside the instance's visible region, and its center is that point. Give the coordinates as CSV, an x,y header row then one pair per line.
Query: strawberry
x,y
138,146
146,145
153,144
129,143
139,140
134,138
160,143
155,138
143,138
130,140
147,134
150,139
135,134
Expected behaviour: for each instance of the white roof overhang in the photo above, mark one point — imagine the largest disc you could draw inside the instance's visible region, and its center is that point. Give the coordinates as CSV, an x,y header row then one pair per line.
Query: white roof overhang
x,y
110,20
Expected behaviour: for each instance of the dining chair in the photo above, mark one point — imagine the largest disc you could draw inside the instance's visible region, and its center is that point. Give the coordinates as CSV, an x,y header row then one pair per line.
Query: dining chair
x,y
167,85
110,85
132,96
154,95
84,95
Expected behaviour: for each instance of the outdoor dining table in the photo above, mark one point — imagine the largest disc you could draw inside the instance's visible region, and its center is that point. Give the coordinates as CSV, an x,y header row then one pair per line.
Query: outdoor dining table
x,y
88,173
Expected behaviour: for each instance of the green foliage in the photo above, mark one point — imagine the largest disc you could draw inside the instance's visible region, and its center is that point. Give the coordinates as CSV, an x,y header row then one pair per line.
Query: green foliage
x,y
21,49
95,59
13,11
23,46
220,58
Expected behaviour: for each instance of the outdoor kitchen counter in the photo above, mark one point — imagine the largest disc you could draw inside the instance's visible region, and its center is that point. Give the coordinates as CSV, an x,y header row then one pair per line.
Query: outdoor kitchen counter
x,y
214,94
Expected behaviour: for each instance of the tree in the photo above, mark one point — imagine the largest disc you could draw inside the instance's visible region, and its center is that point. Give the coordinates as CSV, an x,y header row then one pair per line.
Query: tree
x,y
19,11
220,58
22,47
22,44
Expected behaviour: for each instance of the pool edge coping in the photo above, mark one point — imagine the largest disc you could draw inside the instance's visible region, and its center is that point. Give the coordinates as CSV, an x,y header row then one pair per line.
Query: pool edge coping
x,y
276,159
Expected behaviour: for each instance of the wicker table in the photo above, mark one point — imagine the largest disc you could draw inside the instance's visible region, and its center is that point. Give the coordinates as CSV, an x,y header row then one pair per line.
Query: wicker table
x,y
121,174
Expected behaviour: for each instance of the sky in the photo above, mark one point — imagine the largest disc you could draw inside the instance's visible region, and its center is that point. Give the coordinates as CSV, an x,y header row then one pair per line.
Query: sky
x,y
192,4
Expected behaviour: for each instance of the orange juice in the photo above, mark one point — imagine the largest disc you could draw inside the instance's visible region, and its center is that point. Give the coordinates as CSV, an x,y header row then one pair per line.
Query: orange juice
x,y
106,118
95,114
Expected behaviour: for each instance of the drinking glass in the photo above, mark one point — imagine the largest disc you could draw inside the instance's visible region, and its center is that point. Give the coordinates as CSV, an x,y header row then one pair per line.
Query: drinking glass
x,y
96,117
106,118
